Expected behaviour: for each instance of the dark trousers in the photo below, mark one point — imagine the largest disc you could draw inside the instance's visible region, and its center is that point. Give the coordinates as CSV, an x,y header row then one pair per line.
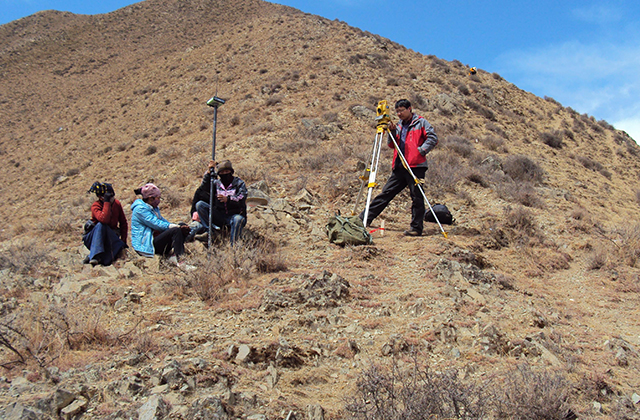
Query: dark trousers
x,y
399,179
103,243
170,239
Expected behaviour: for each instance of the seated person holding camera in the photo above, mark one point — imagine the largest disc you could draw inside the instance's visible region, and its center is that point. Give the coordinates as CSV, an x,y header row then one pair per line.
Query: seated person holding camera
x,y
153,234
106,233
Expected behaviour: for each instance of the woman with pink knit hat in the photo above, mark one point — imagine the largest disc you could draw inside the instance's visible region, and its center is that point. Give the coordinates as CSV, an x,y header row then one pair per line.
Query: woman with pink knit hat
x,y
150,232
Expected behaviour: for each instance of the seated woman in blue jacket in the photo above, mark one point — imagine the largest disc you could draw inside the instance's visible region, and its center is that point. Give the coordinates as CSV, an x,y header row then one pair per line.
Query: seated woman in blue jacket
x,y
153,234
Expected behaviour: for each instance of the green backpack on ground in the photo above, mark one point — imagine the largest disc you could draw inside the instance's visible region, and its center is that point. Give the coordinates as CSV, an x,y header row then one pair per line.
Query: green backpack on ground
x,y
347,231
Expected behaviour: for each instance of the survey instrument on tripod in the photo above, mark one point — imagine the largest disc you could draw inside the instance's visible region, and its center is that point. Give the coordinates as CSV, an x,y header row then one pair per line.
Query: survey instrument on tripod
x,y
382,126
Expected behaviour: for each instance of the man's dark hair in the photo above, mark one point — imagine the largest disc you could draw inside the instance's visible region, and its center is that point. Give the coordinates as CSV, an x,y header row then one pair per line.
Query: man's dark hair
x,y
403,103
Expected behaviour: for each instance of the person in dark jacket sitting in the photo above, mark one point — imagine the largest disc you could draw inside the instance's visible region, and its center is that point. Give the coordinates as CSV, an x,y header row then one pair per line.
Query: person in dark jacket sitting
x,y
229,203
107,239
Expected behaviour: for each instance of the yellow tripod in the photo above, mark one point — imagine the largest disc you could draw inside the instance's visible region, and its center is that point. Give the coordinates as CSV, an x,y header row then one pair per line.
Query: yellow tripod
x,y
382,127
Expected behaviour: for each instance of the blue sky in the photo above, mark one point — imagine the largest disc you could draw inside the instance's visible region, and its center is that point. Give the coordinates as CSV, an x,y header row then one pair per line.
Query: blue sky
x,y
584,54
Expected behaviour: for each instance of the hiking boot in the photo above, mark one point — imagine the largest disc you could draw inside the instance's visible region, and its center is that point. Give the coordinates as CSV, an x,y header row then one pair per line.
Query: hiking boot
x,y
86,260
412,232
94,261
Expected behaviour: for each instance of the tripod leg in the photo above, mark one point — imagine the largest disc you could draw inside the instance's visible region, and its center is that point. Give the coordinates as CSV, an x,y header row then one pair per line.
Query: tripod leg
x,y
375,160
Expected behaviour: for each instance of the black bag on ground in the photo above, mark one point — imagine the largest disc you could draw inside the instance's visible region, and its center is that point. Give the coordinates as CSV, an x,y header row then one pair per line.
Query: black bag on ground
x,y
347,231
442,212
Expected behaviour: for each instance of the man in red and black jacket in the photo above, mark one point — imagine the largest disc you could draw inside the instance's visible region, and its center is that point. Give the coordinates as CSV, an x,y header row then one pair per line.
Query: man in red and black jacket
x,y
416,138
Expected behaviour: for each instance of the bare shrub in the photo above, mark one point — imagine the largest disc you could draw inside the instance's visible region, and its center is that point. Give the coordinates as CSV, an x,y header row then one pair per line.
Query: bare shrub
x,y
530,395
170,198
522,168
552,139
273,100
521,220
494,144
43,332
485,112
594,166
498,130
598,258
60,225
418,101
628,244
444,173
229,265
553,101
462,88
416,393
523,193
23,258
477,177
459,145
150,150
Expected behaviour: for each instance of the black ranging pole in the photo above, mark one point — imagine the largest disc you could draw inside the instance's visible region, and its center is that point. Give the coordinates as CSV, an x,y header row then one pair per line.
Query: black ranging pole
x,y
215,102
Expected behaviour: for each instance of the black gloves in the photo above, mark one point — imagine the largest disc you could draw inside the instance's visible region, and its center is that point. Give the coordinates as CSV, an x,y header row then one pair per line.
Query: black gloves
x,y
108,196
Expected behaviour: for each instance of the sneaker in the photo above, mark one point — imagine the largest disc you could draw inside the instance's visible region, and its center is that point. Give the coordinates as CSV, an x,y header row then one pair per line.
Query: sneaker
x,y
412,232
186,267
94,261
86,260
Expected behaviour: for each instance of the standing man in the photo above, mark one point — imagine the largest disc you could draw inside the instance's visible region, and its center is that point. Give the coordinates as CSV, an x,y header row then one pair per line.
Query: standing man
x,y
415,138
229,203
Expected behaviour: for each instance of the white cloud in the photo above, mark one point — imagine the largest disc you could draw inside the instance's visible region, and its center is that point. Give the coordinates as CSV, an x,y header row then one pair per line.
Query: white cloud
x,y
631,126
601,79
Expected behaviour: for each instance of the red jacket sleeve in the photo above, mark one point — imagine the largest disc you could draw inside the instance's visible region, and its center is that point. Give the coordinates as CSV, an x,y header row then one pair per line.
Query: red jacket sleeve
x,y
101,212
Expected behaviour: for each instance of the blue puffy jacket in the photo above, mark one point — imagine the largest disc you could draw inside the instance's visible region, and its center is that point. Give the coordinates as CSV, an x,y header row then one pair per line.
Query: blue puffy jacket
x,y
144,221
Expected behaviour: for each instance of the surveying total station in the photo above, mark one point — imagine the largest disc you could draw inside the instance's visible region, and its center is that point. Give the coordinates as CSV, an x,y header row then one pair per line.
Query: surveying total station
x,y
369,176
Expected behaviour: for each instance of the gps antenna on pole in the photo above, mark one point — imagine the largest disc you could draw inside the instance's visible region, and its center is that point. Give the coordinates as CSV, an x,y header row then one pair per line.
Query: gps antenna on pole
x,y
215,102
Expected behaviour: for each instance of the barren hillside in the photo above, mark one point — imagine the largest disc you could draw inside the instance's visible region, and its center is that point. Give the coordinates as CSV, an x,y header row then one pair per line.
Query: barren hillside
x,y
540,270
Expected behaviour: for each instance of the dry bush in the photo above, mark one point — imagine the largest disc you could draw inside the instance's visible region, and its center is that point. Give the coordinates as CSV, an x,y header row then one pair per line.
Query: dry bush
x,y
628,244
42,332
443,174
521,220
418,101
523,193
522,168
170,198
552,139
416,393
24,258
598,258
324,161
459,145
494,144
527,394
60,225
477,177
228,265
594,166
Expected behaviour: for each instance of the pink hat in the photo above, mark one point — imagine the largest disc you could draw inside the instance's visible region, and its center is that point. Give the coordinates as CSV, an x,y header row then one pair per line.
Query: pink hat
x,y
150,190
